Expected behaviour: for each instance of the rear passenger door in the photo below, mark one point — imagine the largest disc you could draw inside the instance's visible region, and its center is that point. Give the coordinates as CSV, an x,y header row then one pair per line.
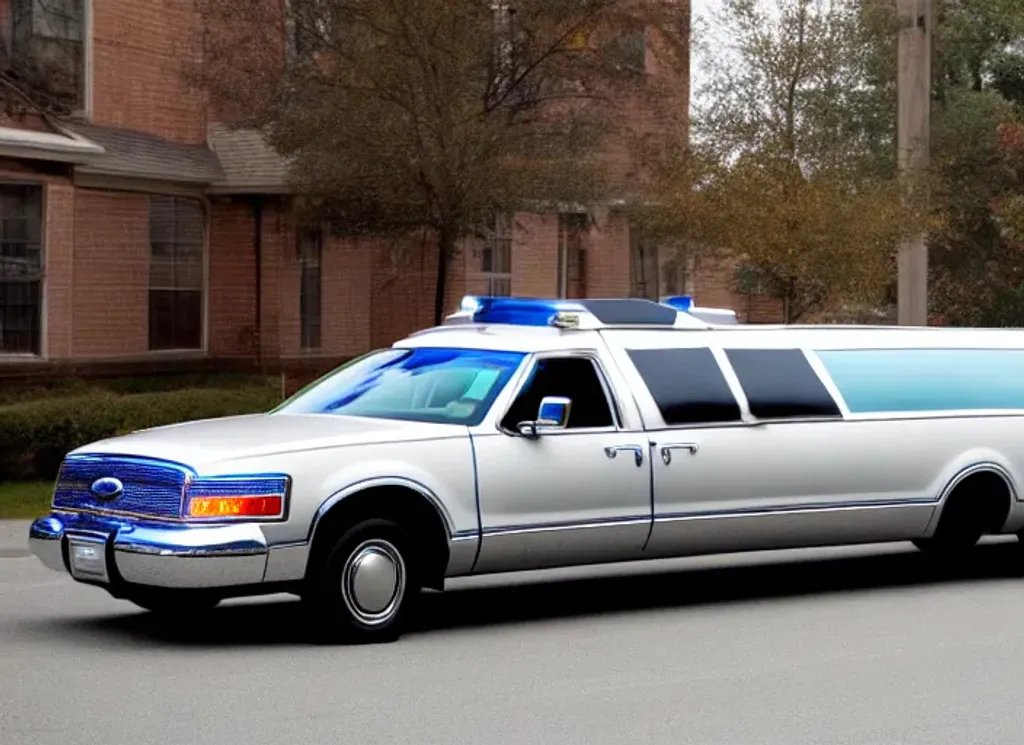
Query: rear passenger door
x,y
749,449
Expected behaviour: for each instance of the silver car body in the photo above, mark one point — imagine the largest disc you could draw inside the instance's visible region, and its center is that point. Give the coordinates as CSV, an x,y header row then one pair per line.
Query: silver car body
x,y
638,489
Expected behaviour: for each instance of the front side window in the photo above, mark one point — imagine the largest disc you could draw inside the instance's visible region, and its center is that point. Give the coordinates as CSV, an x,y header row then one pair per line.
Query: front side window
x,y
176,227
575,378
425,384
21,268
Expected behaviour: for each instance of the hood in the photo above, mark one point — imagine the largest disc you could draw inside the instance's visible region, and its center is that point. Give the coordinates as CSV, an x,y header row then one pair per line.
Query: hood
x,y
255,435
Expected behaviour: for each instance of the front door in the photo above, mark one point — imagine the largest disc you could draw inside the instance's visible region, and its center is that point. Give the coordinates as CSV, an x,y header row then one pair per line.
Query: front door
x,y
578,495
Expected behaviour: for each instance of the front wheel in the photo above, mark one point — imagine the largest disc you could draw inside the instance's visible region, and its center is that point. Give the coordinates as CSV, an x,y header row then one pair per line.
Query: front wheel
x,y
363,590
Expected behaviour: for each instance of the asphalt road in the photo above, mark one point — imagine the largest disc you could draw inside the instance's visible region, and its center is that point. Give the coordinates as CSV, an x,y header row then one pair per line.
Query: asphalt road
x,y
869,646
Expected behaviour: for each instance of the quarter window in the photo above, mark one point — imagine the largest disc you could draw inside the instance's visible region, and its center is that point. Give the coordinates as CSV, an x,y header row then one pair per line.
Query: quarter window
x,y
781,384
575,378
687,385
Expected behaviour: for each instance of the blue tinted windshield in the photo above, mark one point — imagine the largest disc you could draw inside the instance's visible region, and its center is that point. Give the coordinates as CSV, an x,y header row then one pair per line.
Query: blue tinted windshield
x,y
425,384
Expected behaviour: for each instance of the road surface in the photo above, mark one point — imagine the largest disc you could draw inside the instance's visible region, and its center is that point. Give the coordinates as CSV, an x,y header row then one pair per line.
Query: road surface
x,y
863,646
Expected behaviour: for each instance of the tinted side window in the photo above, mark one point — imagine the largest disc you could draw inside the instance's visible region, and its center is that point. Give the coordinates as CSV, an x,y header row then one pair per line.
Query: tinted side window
x,y
687,385
780,384
575,378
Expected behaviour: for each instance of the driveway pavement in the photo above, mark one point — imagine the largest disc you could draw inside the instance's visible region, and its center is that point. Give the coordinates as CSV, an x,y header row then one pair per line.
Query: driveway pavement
x,y
866,646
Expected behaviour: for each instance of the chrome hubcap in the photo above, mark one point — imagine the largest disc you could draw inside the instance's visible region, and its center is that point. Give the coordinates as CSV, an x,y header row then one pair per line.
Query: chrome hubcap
x,y
373,582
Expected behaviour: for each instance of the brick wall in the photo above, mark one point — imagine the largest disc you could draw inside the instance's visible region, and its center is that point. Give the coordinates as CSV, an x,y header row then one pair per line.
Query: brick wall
x,y
139,52
232,280
110,294
59,253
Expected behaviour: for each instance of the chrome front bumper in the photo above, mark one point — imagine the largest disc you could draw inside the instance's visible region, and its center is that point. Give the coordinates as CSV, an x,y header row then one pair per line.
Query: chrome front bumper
x,y
106,551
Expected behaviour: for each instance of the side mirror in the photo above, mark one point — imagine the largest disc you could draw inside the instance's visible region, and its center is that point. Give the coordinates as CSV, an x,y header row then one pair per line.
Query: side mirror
x,y
553,413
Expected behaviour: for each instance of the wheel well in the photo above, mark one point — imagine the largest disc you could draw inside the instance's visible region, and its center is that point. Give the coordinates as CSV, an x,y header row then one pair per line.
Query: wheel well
x,y
403,506
983,496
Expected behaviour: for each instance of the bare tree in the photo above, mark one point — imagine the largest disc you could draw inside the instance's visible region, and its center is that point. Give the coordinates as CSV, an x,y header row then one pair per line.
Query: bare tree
x,y
409,114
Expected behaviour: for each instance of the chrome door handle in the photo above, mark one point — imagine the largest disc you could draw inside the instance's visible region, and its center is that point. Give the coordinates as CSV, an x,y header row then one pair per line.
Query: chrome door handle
x,y
638,453
666,450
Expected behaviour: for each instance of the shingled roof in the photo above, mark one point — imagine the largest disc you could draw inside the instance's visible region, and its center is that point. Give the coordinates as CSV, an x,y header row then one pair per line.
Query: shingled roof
x,y
134,154
250,165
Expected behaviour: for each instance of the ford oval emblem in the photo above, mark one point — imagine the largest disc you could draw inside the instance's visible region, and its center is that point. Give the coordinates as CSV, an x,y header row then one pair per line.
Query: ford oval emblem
x,y
107,488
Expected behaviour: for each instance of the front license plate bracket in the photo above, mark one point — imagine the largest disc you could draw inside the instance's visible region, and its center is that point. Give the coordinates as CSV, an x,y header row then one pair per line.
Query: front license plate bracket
x,y
87,558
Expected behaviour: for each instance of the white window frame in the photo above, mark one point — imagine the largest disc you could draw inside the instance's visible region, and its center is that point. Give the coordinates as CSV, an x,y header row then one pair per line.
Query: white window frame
x,y
41,279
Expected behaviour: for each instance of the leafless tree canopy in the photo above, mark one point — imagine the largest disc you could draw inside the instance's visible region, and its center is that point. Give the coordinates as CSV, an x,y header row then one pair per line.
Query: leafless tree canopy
x,y
406,113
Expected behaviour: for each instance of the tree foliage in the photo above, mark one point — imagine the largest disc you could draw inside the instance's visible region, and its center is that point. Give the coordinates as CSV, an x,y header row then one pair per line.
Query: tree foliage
x,y
793,164
401,115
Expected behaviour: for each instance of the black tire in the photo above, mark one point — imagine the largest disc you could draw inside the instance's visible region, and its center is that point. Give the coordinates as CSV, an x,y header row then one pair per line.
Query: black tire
x,y
960,527
332,595
173,603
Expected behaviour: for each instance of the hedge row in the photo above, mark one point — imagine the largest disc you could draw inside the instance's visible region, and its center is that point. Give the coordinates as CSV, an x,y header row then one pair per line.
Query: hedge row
x,y
36,435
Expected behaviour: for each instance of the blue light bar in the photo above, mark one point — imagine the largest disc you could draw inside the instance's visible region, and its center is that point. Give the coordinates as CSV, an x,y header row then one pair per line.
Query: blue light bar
x,y
519,311
679,302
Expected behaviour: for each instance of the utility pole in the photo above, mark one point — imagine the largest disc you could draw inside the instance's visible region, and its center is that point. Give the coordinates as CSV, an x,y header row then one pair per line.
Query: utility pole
x,y
914,85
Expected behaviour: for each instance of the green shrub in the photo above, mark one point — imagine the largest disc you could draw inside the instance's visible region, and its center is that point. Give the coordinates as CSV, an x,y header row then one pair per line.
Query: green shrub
x,y
36,435
21,391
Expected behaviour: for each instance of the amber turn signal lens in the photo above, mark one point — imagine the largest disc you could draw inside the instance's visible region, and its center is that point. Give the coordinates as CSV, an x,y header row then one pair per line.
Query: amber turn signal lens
x,y
268,506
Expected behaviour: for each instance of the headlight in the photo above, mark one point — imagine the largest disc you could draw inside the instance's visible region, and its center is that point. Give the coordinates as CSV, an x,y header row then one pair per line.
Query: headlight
x,y
216,499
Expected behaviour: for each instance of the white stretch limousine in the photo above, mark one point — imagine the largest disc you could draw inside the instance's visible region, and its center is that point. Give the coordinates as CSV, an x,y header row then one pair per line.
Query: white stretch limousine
x,y
531,433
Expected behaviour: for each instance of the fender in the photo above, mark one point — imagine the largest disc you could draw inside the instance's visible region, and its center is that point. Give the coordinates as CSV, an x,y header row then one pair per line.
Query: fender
x,y
964,473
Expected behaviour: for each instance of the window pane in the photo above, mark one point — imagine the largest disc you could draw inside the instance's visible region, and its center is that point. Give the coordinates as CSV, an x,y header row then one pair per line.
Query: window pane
x,y
310,307
21,268
188,222
907,380
161,319
188,273
20,308
687,385
161,219
426,384
161,274
188,319
175,319
572,377
780,384
176,226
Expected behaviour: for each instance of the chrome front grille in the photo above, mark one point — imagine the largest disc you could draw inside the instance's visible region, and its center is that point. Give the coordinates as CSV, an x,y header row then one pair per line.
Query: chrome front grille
x,y
151,488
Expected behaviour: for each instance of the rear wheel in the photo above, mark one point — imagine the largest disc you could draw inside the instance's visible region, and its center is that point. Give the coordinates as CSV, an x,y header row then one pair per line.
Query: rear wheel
x,y
364,587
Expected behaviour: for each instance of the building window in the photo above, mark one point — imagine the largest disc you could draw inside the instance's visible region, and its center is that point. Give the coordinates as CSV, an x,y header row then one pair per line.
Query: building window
x,y
497,257
21,268
572,227
176,228
44,48
628,51
311,278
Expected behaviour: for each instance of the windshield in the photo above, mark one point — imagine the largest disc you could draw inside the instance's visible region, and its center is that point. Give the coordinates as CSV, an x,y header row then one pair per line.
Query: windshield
x,y
425,384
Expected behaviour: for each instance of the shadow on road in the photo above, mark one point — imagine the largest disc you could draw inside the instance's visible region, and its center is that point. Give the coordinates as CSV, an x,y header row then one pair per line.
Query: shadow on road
x,y
276,623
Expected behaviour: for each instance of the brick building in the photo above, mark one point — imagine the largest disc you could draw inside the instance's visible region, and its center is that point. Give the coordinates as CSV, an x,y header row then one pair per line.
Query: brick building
x,y
141,229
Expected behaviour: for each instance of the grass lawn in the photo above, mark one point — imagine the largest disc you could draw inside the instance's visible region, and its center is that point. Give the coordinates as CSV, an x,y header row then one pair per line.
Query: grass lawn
x,y
23,500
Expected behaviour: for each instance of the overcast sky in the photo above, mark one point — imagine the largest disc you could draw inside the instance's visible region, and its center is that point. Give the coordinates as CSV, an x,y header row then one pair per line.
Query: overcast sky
x,y
700,10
